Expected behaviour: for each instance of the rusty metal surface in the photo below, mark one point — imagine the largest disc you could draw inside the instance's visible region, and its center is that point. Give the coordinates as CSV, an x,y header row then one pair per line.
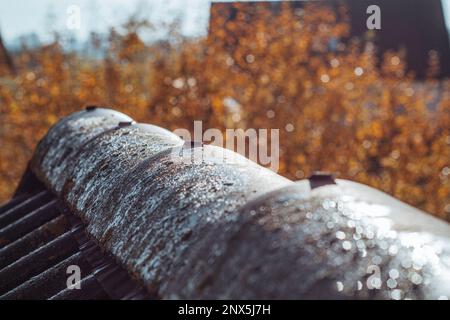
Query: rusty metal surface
x,y
189,225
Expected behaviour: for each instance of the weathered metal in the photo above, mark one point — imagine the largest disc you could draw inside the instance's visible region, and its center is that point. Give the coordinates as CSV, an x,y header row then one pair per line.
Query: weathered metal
x,y
34,263
37,261
33,240
47,283
65,140
319,179
344,241
203,222
16,201
90,289
25,207
28,223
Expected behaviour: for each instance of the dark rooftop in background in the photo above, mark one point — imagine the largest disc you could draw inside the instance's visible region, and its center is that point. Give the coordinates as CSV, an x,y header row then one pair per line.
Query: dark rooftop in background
x,y
416,25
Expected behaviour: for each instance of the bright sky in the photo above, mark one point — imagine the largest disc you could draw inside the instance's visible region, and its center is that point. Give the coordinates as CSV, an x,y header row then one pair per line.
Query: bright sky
x,y
19,17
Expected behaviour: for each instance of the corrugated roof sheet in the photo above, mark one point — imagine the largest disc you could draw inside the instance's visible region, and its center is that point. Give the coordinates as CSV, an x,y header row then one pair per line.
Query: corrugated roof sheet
x,y
146,215
39,240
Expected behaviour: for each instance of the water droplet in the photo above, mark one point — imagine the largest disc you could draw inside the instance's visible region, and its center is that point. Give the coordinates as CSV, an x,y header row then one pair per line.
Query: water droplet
x,y
340,235
406,264
347,245
393,250
356,236
339,286
396,294
359,285
376,260
416,278
369,234
391,283
394,274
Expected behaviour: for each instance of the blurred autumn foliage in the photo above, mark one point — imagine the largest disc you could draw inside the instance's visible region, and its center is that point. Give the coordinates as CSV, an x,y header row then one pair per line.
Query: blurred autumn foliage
x,y
338,108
